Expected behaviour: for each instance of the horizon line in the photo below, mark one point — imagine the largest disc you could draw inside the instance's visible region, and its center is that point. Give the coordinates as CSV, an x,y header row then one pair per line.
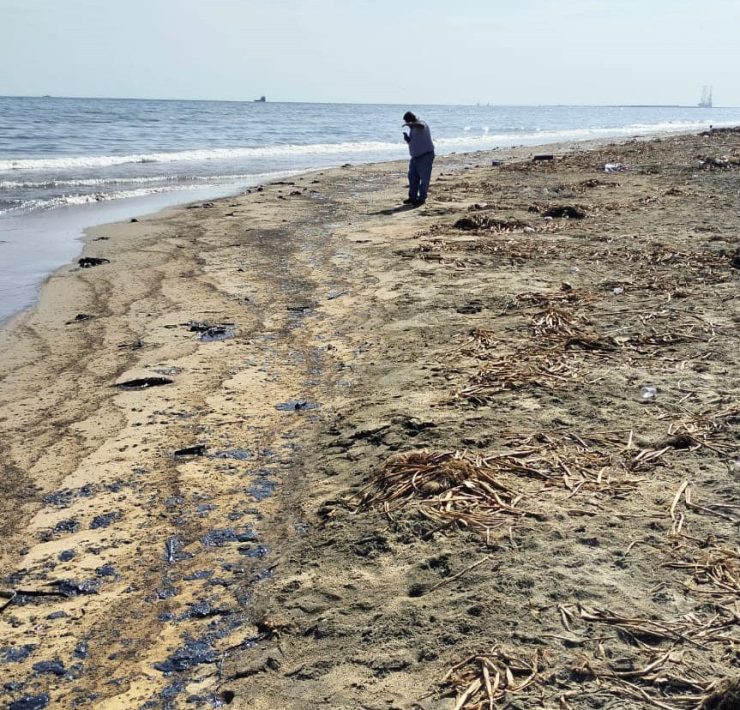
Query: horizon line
x,y
358,103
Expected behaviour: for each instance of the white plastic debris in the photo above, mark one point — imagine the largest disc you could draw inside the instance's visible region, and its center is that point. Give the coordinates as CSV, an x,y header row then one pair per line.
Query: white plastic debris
x,y
649,393
616,168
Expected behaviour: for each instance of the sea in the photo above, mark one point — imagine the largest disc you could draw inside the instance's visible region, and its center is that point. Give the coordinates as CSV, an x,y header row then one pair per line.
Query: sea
x,y
67,164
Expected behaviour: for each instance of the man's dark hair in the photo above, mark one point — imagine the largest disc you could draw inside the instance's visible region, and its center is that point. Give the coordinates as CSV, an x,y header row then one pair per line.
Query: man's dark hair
x,y
409,117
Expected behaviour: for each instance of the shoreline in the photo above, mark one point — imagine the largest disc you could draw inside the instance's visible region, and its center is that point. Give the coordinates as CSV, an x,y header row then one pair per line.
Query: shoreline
x,y
321,291
75,220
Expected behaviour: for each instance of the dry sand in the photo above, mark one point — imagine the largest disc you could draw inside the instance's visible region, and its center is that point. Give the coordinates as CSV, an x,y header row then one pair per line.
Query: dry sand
x,y
579,551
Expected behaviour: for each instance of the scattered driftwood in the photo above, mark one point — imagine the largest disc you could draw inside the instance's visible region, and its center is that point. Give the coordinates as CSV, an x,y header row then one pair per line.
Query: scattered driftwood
x,y
703,428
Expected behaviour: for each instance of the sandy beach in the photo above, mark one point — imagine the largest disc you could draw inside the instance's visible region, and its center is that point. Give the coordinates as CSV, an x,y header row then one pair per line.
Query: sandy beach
x,y
304,448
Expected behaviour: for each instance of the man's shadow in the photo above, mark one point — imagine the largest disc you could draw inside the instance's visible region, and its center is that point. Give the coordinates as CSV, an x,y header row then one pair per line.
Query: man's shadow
x,y
394,210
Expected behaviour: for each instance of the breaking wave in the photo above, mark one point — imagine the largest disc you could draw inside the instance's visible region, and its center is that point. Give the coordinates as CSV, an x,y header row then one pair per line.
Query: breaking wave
x,y
473,137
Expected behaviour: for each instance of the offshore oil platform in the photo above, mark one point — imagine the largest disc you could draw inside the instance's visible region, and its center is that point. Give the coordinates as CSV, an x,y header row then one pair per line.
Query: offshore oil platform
x,y
706,97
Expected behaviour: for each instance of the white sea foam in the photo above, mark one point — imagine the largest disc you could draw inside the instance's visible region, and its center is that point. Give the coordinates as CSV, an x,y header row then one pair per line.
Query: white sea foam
x,y
69,200
576,134
202,155
102,182
340,149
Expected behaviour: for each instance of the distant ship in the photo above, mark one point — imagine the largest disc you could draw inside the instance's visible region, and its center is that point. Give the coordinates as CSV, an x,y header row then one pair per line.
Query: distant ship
x,y
260,100
706,97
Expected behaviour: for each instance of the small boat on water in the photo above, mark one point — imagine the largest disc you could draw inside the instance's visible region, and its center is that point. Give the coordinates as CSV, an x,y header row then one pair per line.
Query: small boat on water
x,y
260,100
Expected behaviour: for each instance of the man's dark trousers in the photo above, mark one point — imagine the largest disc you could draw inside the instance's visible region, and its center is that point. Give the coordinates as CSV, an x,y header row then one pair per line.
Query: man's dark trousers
x,y
420,173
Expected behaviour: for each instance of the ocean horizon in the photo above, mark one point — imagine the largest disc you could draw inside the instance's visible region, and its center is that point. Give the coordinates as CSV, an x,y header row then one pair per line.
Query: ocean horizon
x,y
70,163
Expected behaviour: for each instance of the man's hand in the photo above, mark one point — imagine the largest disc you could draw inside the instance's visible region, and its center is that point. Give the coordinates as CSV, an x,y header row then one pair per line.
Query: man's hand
x,y
406,137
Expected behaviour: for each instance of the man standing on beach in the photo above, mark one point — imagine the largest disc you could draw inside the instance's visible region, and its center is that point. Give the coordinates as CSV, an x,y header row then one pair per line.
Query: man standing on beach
x,y
421,149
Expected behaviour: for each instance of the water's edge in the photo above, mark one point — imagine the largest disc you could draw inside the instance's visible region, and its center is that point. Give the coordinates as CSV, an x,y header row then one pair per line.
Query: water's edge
x,y
78,218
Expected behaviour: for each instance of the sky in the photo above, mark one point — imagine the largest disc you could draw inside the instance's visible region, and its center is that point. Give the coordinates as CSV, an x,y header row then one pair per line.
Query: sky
x,y
375,51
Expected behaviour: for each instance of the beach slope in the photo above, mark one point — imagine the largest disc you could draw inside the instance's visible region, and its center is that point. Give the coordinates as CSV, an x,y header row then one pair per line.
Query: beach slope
x,y
302,447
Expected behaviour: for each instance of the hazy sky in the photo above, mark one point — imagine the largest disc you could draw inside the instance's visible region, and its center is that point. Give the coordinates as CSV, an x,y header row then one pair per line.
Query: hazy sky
x,y
421,51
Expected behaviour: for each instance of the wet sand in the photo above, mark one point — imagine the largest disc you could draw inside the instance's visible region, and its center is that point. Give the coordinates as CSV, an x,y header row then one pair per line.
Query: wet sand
x,y
299,343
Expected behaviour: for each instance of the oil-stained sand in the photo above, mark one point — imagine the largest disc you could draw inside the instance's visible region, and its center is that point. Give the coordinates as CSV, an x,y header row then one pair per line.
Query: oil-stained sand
x,y
420,464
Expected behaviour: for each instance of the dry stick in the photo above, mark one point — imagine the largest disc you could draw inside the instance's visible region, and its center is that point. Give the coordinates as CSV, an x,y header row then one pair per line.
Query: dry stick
x,y
457,666
570,639
651,666
472,690
11,598
459,574
677,497
565,615
439,528
649,698
489,688
694,506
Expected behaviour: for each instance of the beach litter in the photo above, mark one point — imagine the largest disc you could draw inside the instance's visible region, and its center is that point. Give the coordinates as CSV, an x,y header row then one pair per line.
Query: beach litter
x,y
648,393
610,168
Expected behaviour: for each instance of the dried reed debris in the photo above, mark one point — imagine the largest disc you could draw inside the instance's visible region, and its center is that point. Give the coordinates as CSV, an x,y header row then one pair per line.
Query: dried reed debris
x,y
446,487
480,222
485,679
515,372
567,294
478,343
717,568
555,322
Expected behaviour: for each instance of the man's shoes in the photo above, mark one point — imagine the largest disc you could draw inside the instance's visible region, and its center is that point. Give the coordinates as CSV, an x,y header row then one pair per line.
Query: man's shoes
x,y
419,203
409,201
